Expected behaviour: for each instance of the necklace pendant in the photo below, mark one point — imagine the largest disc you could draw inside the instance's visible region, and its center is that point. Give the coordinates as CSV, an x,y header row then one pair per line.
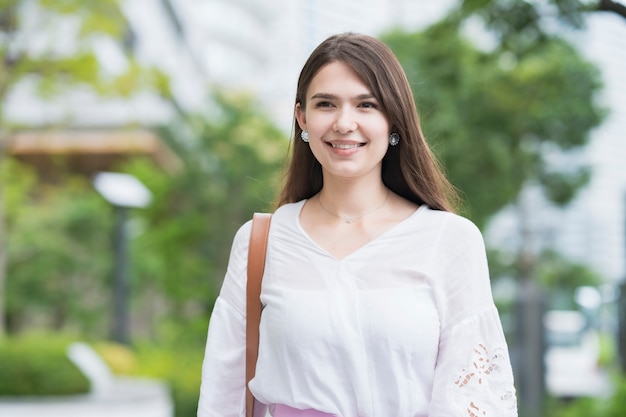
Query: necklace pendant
x,y
348,220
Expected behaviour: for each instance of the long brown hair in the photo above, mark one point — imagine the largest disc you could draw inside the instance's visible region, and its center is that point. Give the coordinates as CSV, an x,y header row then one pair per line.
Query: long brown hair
x,y
409,169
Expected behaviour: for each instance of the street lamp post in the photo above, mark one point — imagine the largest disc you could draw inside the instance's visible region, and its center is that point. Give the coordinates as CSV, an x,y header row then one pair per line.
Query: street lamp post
x,y
123,192
620,305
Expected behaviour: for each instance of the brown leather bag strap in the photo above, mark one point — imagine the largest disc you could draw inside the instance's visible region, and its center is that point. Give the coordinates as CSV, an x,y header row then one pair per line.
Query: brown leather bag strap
x,y
256,266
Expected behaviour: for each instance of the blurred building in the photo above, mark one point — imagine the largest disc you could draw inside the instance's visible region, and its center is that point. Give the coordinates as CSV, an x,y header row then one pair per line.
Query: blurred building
x,y
256,45
249,45
594,228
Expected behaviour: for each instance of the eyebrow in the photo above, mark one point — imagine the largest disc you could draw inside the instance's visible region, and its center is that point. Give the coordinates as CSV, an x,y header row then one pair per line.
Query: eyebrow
x,y
327,96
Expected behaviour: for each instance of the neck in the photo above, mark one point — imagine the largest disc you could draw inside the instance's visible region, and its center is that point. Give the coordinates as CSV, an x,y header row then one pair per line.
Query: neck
x,y
350,202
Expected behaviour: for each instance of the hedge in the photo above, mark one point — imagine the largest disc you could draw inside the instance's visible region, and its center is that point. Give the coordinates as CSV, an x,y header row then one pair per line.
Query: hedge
x,y
38,366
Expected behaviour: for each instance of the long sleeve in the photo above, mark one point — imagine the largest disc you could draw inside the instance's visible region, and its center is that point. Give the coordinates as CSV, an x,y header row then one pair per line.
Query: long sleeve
x,y
222,392
473,375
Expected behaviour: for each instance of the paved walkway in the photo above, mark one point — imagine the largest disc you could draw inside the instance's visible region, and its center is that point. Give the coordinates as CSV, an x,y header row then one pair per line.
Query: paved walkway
x,y
125,397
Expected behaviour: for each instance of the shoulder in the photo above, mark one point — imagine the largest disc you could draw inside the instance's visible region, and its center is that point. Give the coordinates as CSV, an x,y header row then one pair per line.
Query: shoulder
x,y
241,240
290,210
284,215
451,228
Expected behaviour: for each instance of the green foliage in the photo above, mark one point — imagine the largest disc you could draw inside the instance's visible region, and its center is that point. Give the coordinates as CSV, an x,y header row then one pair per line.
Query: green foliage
x,y
558,276
38,365
178,365
498,121
230,161
54,236
121,359
55,70
613,406
97,16
562,187
59,234
18,182
556,272
607,356
181,368
522,25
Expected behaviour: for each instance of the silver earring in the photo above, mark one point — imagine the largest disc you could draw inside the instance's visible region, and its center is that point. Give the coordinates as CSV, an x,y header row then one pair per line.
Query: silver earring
x,y
304,135
394,139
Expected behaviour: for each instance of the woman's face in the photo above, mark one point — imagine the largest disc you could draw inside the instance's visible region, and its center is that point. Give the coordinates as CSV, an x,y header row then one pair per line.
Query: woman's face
x,y
348,132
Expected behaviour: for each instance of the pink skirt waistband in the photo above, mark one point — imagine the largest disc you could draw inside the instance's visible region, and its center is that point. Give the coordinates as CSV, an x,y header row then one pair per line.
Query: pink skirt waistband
x,y
286,411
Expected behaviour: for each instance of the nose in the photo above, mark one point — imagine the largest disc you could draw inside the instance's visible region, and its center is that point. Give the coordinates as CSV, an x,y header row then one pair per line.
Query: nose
x,y
344,122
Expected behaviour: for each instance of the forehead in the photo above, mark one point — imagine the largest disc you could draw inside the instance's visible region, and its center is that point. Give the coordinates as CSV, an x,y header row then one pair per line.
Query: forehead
x,y
337,76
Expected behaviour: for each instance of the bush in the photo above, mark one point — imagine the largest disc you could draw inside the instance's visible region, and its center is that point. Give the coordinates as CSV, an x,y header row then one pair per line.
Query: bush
x,y
180,368
121,359
612,406
38,366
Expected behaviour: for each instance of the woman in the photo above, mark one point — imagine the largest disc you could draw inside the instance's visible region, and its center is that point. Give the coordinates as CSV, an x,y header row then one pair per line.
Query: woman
x,y
376,297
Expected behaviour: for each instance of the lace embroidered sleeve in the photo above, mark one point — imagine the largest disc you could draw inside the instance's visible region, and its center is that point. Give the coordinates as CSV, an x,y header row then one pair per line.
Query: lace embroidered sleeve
x,y
473,377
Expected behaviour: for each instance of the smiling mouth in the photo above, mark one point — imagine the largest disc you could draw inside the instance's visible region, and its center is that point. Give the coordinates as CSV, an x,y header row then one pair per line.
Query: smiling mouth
x,y
347,145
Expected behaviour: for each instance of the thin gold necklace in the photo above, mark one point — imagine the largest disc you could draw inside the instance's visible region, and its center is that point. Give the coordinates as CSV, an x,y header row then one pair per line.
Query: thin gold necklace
x,y
352,219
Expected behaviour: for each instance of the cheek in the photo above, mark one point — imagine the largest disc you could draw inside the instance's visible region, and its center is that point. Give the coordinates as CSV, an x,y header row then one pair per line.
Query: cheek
x,y
379,133
317,124
316,145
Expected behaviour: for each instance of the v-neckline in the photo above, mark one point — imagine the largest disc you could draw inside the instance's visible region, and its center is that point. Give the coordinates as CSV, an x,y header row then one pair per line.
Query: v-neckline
x,y
359,249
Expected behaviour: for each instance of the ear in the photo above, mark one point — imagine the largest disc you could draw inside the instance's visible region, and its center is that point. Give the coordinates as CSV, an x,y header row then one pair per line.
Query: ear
x,y
300,116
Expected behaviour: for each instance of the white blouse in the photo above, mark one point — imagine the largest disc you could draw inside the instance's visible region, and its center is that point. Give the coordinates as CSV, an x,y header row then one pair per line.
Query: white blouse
x,y
403,327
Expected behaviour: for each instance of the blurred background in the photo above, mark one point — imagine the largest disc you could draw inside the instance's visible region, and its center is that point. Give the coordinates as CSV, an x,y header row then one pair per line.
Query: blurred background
x,y
136,136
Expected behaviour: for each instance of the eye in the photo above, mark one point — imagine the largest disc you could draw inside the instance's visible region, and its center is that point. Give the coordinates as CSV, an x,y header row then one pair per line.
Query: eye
x,y
368,105
323,104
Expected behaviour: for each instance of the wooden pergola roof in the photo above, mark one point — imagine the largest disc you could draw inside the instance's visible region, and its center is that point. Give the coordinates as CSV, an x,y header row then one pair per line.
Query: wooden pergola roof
x,y
88,151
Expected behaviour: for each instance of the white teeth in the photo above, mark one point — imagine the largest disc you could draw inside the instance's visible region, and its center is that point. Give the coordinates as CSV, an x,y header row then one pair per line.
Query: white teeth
x,y
345,145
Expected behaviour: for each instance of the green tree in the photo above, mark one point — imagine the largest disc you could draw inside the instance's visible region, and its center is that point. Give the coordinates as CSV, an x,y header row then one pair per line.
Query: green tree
x,y
521,25
30,53
556,274
57,239
497,121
